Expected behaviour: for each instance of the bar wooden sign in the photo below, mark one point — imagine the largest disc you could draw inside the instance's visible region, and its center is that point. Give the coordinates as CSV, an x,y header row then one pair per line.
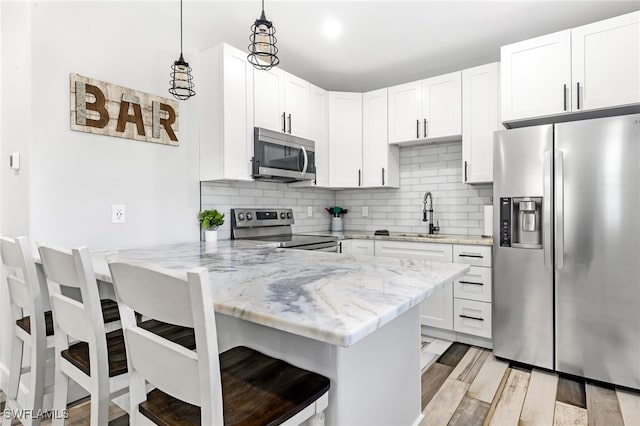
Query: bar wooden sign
x,y
107,109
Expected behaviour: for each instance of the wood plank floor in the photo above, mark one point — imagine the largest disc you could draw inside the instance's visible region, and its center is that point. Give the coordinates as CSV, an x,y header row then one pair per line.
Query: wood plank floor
x,y
481,390
468,386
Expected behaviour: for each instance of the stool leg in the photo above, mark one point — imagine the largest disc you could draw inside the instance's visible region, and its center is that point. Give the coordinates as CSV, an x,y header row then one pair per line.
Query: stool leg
x,y
317,419
61,387
36,389
17,348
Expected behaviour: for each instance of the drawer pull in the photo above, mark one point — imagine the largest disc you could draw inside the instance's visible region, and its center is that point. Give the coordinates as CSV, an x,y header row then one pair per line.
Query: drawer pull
x,y
470,282
473,318
477,256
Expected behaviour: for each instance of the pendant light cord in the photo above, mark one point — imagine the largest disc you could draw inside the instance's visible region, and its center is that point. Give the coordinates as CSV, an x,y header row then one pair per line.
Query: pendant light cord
x,y
181,27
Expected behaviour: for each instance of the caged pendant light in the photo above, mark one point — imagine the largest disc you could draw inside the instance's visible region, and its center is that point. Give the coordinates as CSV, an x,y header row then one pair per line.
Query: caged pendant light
x,y
263,53
181,84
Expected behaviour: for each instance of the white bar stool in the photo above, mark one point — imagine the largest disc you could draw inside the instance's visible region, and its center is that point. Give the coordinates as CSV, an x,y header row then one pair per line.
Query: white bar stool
x,y
238,387
26,293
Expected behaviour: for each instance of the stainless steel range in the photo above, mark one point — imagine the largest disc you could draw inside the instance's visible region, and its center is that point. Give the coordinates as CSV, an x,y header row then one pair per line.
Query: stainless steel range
x,y
274,225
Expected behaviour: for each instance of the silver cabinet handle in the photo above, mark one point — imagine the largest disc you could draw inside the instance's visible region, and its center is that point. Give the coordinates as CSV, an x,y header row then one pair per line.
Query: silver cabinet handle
x,y
284,123
546,209
578,95
564,96
425,128
306,160
359,177
559,195
289,123
417,129
383,176
465,171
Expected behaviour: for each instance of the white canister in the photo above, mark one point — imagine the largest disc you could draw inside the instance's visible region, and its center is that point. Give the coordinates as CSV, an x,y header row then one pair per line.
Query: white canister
x,y
336,224
488,221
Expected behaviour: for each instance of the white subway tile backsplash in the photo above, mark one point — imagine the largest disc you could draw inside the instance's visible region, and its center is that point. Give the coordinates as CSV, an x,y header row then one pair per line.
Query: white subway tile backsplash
x,y
435,168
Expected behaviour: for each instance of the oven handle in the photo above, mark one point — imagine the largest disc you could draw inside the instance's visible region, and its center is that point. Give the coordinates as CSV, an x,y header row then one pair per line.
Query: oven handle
x,y
306,159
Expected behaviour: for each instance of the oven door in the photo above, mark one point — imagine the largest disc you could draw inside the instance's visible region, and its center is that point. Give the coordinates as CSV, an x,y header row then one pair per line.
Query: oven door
x,y
282,157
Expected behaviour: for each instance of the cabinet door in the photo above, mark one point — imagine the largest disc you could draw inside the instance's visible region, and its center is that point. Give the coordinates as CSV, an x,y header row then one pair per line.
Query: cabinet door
x,y
405,112
479,121
375,149
359,247
296,105
536,77
345,139
437,309
442,106
319,132
268,99
606,63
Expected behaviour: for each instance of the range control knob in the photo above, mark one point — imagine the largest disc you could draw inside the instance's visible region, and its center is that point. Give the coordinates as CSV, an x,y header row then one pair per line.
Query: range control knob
x,y
289,215
249,216
240,216
282,215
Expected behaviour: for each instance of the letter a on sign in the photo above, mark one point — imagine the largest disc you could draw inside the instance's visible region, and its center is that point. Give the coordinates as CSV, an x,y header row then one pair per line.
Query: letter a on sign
x,y
107,109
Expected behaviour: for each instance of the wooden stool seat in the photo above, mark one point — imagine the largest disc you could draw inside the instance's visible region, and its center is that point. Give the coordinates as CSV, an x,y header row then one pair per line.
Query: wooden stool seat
x,y
78,353
109,312
257,390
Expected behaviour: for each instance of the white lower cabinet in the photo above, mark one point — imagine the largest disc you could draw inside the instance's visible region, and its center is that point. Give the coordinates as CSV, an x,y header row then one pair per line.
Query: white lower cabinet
x,y
472,317
461,310
437,310
361,247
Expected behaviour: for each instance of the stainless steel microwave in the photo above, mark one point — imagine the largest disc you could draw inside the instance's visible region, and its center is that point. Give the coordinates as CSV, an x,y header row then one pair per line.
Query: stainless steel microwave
x,y
282,157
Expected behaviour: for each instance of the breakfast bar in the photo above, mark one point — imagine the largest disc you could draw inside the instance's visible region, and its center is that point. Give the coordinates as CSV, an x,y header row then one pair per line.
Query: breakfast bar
x,y
354,319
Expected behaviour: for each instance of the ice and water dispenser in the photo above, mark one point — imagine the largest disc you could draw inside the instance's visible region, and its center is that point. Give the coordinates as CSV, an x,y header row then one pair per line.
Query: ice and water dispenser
x,y
521,222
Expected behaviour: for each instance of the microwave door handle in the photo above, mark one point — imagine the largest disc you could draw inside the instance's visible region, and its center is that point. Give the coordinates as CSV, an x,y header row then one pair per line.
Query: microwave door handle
x,y
306,159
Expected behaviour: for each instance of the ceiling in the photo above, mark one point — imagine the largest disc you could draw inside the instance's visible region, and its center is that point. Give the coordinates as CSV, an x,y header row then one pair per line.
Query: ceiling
x,y
385,42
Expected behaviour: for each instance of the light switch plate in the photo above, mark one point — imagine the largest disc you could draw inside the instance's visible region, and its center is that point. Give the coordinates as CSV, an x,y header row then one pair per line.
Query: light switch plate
x,y
365,211
309,211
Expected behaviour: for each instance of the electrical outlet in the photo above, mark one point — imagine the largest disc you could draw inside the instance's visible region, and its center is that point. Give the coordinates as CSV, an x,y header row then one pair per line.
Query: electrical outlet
x,y
117,213
309,211
365,211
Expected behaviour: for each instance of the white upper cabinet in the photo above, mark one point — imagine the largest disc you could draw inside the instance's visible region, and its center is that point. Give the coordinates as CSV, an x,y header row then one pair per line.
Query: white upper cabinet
x,y
442,106
319,132
592,67
405,112
606,63
226,121
281,102
536,76
479,120
426,109
380,161
345,139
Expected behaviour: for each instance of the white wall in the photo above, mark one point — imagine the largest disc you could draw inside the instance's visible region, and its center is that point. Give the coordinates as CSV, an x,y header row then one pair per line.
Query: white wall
x,y
75,177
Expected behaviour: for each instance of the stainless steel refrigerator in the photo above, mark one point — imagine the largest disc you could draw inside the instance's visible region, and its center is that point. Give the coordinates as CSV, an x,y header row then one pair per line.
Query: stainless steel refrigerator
x,y
566,248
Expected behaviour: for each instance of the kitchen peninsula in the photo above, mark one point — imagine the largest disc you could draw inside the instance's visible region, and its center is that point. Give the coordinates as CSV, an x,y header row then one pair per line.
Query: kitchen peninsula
x,y
354,319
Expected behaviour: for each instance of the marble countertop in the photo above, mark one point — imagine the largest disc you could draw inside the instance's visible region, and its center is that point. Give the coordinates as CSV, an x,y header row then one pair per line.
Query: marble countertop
x,y
338,299
410,236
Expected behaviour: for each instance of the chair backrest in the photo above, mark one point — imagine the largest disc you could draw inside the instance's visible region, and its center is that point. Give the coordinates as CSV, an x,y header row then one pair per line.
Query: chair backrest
x,y
179,297
81,320
26,292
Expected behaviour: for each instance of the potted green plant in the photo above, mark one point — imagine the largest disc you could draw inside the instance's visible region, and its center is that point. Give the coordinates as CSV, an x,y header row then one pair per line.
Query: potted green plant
x,y
210,221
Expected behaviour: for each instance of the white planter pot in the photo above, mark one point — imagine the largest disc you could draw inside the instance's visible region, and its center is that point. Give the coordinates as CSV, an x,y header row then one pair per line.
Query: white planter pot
x,y
211,236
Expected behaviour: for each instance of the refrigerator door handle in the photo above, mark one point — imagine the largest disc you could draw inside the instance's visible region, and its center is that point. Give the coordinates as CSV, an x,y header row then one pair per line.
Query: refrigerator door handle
x,y
559,194
546,210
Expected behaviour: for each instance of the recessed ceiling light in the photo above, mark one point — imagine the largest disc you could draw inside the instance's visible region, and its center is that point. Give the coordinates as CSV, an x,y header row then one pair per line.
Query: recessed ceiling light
x,y
331,29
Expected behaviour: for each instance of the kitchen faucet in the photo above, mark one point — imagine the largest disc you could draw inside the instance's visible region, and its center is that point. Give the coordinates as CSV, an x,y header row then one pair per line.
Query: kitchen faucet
x,y
428,198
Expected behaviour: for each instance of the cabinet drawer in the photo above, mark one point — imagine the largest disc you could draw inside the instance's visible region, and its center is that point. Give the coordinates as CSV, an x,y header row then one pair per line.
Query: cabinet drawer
x,y
472,255
474,285
472,317
412,250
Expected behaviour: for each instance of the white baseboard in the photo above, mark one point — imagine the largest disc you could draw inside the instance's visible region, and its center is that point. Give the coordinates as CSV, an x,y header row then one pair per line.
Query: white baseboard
x,y
418,420
451,335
